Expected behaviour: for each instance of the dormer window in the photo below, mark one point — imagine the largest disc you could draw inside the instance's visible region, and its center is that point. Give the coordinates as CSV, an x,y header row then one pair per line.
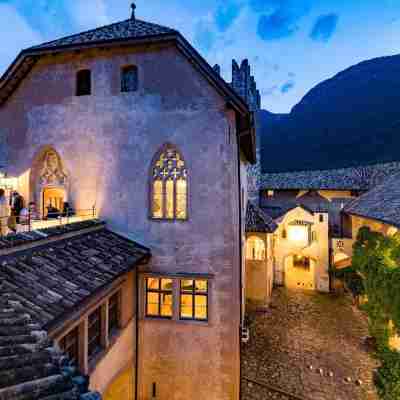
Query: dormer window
x,y
83,83
129,79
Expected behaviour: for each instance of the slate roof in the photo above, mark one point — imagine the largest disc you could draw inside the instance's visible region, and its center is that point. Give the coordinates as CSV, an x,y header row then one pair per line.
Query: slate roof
x,y
353,178
382,203
258,221
124,30
41,283
30,367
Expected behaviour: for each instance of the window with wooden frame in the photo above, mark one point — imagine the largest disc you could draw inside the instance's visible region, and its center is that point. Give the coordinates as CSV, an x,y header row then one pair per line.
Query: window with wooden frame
x,y
194,299
69,345
129,79
169,187
83,82
114,313
94,333
159,297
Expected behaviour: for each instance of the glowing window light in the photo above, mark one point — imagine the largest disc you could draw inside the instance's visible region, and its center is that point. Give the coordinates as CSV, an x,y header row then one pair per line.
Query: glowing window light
x,y
255,249
298,233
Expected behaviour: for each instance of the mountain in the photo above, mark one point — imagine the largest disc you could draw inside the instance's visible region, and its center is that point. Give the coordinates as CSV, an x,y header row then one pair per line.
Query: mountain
x,y
352,119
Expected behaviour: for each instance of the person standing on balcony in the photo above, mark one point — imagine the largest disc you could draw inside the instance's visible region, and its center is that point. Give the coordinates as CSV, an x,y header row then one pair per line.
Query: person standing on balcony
x,y
16,204
3,213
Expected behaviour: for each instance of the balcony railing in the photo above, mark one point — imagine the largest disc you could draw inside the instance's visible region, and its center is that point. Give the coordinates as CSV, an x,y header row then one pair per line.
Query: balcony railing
x,y
27,223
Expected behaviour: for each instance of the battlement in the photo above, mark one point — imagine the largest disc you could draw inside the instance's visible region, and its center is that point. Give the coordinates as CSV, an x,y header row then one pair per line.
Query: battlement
x,y
245,85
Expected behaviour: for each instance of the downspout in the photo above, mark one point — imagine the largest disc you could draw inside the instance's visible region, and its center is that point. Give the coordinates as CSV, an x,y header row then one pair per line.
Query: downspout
x,y
137,336
240,263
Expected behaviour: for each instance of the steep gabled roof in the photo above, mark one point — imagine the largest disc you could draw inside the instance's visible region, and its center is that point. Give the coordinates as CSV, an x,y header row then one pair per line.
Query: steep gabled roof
x,y
124,30
258,221
382,203
127,33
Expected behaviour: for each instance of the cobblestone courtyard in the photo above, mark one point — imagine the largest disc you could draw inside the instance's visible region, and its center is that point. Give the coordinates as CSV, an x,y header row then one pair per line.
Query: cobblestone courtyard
x,y
307,329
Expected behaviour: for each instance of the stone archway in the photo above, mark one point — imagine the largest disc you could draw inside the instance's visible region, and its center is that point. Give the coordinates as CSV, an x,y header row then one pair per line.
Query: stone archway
x,y
49,181
300,272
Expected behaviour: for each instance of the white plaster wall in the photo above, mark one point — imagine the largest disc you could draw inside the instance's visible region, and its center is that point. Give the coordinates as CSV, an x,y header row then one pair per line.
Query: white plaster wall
x,y
120,355
319,250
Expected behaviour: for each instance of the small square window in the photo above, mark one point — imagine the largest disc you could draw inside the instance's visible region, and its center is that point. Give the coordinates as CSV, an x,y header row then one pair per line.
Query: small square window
x,y
114,312
159,298
83,83
69,344
194,299
94,333
129,79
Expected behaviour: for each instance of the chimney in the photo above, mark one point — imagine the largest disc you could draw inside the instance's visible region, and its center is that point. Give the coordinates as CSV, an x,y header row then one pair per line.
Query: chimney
x,y
133,7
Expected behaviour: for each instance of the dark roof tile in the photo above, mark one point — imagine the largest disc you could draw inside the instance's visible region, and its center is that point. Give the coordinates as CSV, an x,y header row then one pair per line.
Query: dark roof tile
x,y
258,221
124,30
382,203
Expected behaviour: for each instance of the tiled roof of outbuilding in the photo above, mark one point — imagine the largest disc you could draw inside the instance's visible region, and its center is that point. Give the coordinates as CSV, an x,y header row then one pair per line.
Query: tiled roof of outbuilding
x,y
42,285
30,367
258,221
353,178
128,29
52,279
382,203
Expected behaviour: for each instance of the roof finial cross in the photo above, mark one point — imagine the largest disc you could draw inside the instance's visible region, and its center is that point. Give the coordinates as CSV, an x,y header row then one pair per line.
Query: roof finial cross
x,y
133,6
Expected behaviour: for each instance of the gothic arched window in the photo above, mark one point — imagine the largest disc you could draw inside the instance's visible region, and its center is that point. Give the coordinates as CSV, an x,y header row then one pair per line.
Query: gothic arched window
x,y
169,191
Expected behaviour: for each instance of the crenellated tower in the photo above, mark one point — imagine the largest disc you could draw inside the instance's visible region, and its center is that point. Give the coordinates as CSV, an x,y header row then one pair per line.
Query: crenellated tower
x,y
245,85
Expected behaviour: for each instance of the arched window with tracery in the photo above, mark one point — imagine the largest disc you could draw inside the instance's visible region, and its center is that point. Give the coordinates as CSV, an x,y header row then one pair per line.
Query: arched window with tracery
x,y
255,249
169,187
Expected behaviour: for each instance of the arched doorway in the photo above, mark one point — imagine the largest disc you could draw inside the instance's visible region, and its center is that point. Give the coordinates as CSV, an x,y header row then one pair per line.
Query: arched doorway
x,y
299,272
49,182
122,387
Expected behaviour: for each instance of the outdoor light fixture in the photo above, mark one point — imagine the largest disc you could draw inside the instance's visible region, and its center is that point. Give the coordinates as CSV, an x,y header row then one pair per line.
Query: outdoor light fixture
x,y
7,182
298,233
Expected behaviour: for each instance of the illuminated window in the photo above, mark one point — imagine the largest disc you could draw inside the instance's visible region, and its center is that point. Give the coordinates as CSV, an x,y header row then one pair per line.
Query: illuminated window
x,y
129,79
255,248
169,192
159,297
299,234
194,300
301,262
69,344
83,83
114,312
94,333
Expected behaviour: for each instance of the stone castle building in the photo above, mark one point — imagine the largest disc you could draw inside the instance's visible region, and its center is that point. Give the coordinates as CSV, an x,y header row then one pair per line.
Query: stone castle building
x,y
155,224
130,123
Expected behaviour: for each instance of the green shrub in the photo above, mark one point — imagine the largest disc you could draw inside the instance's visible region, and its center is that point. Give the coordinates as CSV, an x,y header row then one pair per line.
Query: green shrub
x,y
376,258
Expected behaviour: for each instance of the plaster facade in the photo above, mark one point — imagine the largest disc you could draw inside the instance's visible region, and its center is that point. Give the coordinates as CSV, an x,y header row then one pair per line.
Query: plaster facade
x,y
315,246
106,142
259,273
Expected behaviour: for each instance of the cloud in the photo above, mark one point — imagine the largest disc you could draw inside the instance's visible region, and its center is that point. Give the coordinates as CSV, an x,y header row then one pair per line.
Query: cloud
x,y
15,33
287,87
88,14
226,15
204,35
267,6
269,90
282,22
324,27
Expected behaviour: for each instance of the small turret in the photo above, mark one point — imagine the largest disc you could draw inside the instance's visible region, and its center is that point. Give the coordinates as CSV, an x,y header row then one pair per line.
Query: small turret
x,y
245,85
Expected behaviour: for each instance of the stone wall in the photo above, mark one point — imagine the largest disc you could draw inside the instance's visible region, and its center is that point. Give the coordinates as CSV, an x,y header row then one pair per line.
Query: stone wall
x,y
106,142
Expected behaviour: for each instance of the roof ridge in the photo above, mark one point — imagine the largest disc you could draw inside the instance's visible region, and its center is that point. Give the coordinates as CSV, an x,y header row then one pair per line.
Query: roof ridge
x,y
93,30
